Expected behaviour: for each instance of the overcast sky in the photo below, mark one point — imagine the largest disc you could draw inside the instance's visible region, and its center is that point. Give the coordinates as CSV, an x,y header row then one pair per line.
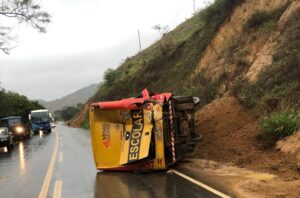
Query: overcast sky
x,y
84,38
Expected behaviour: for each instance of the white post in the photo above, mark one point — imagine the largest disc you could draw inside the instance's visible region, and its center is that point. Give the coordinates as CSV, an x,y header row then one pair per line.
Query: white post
x,y
140,45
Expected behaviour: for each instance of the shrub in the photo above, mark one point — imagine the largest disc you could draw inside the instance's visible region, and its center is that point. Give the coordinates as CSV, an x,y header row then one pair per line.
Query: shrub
x,y
110,77
277,126
85,124
269,26
68,112
277,87
264,20
281,79
245,92
246,98
257,20
242,61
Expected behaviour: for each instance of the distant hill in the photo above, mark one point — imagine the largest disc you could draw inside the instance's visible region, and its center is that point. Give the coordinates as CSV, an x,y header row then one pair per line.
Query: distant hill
x,y
79,96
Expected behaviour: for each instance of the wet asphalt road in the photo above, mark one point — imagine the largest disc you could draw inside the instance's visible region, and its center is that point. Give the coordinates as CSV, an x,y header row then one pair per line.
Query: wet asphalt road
x,y
23,172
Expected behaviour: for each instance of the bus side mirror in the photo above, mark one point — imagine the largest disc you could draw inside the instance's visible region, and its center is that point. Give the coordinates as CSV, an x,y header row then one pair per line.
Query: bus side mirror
x,y
29,116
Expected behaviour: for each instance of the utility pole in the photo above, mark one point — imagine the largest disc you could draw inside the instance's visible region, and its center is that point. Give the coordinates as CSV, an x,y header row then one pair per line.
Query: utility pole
x,y
194,4
139,40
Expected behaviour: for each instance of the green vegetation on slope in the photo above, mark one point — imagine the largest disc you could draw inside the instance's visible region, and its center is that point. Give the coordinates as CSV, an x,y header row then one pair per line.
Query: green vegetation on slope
x,y
277,126
85,124
264,20
68,112
13,104
278,85
170,63
276,92
167,64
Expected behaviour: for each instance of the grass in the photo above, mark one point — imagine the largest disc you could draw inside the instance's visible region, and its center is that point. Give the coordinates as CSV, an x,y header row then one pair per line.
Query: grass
x,y
168,63
205,87
277,86
85,124
264,20
280,80
277,126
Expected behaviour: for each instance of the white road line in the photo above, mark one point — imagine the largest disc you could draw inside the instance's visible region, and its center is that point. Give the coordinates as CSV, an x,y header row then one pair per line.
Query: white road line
x,y
61,157
200,184
57,189
45,187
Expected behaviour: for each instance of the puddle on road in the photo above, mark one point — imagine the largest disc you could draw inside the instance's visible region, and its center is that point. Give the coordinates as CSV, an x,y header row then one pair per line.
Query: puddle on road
x,y
22,157
258,176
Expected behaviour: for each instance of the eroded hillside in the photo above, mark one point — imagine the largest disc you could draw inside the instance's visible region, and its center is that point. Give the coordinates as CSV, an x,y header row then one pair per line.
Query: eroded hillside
x,y
242,58
223,48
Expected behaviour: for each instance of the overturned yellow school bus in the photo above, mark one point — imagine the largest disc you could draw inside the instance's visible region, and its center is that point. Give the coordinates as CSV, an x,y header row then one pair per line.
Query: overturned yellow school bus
x,y
149,132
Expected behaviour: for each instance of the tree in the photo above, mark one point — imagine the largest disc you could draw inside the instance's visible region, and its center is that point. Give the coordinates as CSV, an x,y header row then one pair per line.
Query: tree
x,y
166,41
68,112
20,11
162,30
14,104
110,77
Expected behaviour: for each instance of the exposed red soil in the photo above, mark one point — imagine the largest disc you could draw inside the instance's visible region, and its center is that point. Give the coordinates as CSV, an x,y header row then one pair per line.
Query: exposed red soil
x,y
229,132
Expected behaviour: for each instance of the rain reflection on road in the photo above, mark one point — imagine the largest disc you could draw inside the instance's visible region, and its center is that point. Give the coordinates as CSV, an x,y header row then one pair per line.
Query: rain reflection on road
x,y
22,157
158,184
23,171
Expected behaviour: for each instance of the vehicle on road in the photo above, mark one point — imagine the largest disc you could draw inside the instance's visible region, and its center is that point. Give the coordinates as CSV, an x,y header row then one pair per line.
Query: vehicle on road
x,y
16,126
6,138
149,132
40,121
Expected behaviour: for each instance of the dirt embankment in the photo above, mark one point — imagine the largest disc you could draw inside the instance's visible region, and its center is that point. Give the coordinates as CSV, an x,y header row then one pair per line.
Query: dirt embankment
x,y
231,29
230,154
263,54
229,132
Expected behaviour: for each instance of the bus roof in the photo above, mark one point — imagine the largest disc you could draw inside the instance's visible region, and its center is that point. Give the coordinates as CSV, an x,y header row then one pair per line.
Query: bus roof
x,y
11,117
39,110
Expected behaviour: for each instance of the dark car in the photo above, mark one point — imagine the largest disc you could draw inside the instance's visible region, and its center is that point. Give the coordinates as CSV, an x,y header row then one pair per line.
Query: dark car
x,y
15,125
6,138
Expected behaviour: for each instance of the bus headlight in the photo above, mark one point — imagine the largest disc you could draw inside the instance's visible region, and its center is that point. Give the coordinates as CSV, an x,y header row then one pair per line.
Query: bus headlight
x,y
19,129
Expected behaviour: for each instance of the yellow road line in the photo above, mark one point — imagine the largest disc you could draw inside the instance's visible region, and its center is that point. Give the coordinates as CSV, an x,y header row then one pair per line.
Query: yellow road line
x,y
57,189
61,157
200,184
45,187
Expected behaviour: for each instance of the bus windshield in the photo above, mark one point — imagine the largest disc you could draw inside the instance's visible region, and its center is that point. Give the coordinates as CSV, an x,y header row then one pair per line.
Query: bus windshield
x,y
39,117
